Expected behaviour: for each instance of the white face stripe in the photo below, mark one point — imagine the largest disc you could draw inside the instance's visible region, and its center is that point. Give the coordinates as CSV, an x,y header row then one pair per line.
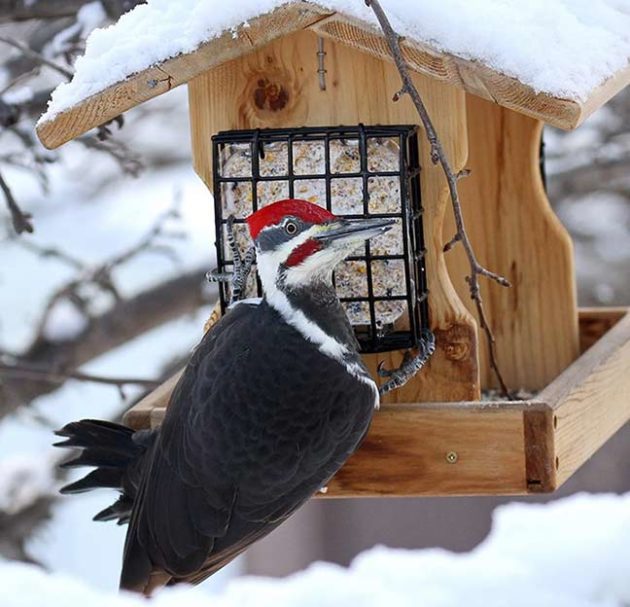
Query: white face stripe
x,y
319,264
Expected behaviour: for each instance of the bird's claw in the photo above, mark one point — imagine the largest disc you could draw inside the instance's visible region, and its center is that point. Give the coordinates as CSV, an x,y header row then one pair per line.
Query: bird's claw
x,y
410,365
242,266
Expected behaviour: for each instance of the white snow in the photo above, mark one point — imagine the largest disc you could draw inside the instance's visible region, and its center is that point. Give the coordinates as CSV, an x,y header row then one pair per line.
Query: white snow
x,y
64,322
562,47
570,553
23,479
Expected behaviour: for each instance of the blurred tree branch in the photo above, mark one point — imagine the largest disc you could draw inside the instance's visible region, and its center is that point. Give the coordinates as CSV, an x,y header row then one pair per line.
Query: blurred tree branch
x,y
51,44
28,372
22,10
21,221
606,174
126,320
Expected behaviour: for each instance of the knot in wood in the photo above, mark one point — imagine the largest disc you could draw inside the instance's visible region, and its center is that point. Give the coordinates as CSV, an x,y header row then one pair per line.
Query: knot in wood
x,y
270,95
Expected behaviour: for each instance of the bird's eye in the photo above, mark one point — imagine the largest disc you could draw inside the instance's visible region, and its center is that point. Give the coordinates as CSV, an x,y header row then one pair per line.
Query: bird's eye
x,y
290,228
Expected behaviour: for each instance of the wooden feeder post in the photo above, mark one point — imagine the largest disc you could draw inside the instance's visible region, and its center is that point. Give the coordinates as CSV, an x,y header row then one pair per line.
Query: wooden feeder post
x,y
303,65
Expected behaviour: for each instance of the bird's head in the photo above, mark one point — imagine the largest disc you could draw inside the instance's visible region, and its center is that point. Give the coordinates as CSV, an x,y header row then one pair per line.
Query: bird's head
x,y
299,243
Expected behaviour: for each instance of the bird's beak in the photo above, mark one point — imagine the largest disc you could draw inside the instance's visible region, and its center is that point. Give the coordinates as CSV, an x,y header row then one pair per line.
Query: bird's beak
x,y
353,230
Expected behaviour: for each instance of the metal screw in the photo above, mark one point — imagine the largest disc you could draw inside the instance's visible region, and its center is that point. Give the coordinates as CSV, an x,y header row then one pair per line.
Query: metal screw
x,y
452,457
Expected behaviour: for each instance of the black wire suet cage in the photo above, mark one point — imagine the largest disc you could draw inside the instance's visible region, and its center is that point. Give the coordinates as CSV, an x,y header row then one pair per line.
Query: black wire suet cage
x,y
360,171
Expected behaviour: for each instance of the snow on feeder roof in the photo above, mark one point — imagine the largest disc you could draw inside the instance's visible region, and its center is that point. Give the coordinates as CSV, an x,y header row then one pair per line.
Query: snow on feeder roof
x,y
551,59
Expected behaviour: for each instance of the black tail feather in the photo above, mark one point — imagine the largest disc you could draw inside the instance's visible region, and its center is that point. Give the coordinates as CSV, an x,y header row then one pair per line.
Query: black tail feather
x,y
120,510
101,478
117,453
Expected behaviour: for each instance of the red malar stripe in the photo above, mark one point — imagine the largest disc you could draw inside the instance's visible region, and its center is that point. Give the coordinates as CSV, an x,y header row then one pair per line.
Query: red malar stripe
x,y
302,252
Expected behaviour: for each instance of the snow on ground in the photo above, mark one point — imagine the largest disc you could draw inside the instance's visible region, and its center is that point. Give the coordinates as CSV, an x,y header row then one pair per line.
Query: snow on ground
x,y
562,47
570,553
23,479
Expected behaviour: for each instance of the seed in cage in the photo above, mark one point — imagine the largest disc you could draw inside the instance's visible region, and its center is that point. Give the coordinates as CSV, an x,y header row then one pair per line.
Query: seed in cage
x,y
344,156
243,240
276,160
271,191
235,160
384,195
346,195
351,279
309,158
389,243
313,190
358,312
383,155
236,199
388,277
388,312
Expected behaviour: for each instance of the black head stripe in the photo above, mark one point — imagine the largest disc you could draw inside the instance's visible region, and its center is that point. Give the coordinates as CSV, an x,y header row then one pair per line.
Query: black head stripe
x,y
272,237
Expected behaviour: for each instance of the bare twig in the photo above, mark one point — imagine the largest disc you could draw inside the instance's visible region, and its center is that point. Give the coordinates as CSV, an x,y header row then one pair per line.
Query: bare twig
x,y
99,279
21,221
49,252
18,10
54,376
37,57
124,321
130,163
438,156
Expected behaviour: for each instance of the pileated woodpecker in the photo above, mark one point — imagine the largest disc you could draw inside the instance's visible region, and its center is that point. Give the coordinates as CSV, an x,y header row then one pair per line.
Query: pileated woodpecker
x,y
272,403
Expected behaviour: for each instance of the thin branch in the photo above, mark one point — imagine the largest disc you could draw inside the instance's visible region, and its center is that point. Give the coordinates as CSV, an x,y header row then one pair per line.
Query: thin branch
x,y
52,376
127,319
50,252
38,57
438,156
21,221
22,10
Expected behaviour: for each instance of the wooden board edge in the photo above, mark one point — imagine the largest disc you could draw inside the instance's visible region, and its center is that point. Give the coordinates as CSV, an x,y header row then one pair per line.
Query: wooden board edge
x,y
591,400
540,468
472,76
603,93
574,375
104,106
595,322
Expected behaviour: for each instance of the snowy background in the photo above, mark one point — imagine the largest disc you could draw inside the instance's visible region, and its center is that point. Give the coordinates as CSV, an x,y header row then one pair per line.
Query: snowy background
x,y
573,552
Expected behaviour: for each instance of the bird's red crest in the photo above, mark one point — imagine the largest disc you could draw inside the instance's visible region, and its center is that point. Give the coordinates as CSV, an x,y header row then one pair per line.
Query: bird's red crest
x,y
275,212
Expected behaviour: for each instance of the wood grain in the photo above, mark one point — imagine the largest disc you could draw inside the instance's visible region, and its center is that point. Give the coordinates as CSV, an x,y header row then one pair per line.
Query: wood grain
x,y
502,448
591,399
596,322
290,64
470,76
408,449
515,232
473,76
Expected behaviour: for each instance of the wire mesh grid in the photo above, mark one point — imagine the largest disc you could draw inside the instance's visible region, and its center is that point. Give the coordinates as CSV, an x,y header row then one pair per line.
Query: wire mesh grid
x,y
355,171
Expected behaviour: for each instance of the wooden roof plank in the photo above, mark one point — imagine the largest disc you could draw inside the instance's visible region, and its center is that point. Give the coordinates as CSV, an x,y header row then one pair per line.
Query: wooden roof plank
x,y
472,76
157,80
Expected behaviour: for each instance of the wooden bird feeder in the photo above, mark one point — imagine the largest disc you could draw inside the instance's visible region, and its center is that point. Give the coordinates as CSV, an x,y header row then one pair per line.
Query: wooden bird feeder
x,y
304,66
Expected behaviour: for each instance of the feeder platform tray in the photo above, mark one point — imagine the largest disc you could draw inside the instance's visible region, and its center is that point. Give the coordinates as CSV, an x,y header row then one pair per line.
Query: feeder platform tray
x,y
485,447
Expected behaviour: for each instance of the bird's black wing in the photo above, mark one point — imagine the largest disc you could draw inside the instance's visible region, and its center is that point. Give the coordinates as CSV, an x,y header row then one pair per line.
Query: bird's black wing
x,y
258,422
180,507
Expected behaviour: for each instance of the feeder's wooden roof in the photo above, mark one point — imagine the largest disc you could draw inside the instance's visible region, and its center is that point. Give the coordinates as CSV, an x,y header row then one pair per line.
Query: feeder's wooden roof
x,y
472,76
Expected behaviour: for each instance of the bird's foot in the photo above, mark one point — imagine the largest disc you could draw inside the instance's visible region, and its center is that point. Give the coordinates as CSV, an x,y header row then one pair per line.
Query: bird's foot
x,y
242,266
410,365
